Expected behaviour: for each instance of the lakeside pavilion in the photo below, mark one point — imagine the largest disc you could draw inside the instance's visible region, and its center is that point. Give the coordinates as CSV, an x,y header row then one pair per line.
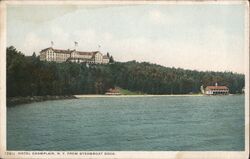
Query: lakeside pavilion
x,y
216,90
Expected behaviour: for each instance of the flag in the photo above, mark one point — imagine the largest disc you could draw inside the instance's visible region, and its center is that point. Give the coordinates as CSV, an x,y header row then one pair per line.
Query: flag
x,y
52,43
76,43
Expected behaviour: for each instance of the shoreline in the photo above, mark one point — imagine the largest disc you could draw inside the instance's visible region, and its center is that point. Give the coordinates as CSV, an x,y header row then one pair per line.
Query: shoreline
x,y
13,101
146,95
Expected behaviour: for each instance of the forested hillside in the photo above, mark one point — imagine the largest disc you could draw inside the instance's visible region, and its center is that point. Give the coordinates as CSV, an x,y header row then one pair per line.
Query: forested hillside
x,y
28,76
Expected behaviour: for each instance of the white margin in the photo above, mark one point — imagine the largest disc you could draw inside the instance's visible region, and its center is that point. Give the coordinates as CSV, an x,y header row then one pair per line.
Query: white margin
x,y
119,154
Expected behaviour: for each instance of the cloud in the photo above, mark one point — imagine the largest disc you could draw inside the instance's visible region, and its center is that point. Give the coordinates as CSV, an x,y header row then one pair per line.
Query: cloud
x,y
157,17
33,43
17,12
209,50
200,47
166,19
59,36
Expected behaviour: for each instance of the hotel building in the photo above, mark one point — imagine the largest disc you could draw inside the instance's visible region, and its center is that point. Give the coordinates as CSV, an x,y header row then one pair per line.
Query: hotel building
x,y
59,55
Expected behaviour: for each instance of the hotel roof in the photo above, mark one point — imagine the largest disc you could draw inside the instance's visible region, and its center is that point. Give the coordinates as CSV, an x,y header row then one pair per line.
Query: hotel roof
x,y
70,51
87,53
58,50
216,87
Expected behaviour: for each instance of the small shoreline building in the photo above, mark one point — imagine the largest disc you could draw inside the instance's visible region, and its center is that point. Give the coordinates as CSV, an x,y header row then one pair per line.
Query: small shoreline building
x,y
59,55
113,91
216,90
243,90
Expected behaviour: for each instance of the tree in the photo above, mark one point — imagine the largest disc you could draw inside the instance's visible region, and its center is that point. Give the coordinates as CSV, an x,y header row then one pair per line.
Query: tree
x,y
28,76
111,60
34,54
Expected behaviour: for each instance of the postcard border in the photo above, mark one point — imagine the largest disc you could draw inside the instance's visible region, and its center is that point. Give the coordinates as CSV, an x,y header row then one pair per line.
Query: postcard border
x,y
118,154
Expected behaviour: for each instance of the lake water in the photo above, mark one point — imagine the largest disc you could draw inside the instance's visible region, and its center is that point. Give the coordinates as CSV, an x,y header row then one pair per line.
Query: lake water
x,y
169,123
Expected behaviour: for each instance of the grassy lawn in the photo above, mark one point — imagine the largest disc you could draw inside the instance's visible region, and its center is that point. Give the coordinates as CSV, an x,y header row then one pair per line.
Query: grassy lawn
x,y
127,92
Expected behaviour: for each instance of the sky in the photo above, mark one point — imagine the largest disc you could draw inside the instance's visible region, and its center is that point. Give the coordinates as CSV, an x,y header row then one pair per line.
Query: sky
x,y
203,37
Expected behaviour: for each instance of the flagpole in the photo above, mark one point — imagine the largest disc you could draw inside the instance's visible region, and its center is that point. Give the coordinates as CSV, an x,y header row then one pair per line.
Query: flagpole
x,y
76,44
52,44
99,46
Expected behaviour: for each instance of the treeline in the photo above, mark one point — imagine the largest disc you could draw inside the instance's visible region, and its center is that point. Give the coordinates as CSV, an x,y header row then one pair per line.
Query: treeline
x,y
28,76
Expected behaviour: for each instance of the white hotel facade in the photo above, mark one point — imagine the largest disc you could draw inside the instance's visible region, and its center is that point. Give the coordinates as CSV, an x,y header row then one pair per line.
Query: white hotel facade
x,y
59,55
